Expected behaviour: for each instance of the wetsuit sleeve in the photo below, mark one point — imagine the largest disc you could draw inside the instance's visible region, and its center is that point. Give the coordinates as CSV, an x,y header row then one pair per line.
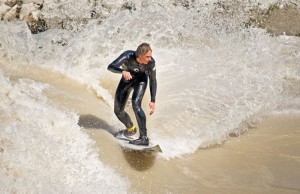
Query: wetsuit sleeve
x,y
115,65
153,82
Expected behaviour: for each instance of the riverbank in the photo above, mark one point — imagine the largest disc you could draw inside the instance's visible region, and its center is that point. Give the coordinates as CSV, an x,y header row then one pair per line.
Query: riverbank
x,y
277,18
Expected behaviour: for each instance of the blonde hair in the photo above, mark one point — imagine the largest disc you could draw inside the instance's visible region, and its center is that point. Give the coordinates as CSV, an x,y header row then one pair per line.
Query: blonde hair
x,y
142,49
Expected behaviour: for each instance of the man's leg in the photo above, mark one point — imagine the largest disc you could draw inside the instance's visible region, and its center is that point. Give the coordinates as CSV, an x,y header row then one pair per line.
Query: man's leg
x,y
121,97
137,97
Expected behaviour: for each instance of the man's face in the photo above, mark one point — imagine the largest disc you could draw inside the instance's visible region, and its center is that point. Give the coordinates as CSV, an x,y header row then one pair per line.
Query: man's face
x,y
144,59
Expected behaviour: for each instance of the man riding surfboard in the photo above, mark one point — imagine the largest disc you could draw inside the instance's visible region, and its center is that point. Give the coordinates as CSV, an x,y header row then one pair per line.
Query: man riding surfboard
x,y
136,67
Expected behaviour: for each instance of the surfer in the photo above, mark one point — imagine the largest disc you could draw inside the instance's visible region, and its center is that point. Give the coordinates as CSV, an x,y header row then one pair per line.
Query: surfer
x,y
135,67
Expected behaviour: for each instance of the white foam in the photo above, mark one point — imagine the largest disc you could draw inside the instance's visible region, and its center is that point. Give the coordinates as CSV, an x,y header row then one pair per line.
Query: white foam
x,y
214,76
43,150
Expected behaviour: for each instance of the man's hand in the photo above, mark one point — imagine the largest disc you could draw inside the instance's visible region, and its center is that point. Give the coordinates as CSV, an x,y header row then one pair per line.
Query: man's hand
x,y
152,107
126,75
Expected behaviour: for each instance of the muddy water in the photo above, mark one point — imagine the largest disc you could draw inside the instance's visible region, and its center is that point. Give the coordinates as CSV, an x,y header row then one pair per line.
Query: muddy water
x,y
266,159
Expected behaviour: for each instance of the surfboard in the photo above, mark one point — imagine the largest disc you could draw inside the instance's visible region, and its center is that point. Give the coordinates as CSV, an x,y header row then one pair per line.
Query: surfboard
x,y
150,148
124,143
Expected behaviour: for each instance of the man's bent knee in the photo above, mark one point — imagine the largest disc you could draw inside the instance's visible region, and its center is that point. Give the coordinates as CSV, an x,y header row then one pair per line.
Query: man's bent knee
x,y
136,106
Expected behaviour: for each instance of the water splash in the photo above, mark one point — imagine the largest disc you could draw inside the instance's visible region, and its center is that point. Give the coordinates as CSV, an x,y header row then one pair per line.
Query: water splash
x,y
215,76
43,149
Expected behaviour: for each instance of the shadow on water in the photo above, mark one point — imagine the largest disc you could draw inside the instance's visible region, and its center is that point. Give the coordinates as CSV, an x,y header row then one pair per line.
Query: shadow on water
x,y
91,121
138,160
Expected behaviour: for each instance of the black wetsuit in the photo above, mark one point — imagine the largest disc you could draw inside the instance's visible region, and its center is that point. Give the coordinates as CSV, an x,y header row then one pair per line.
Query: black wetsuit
x,y
138,83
